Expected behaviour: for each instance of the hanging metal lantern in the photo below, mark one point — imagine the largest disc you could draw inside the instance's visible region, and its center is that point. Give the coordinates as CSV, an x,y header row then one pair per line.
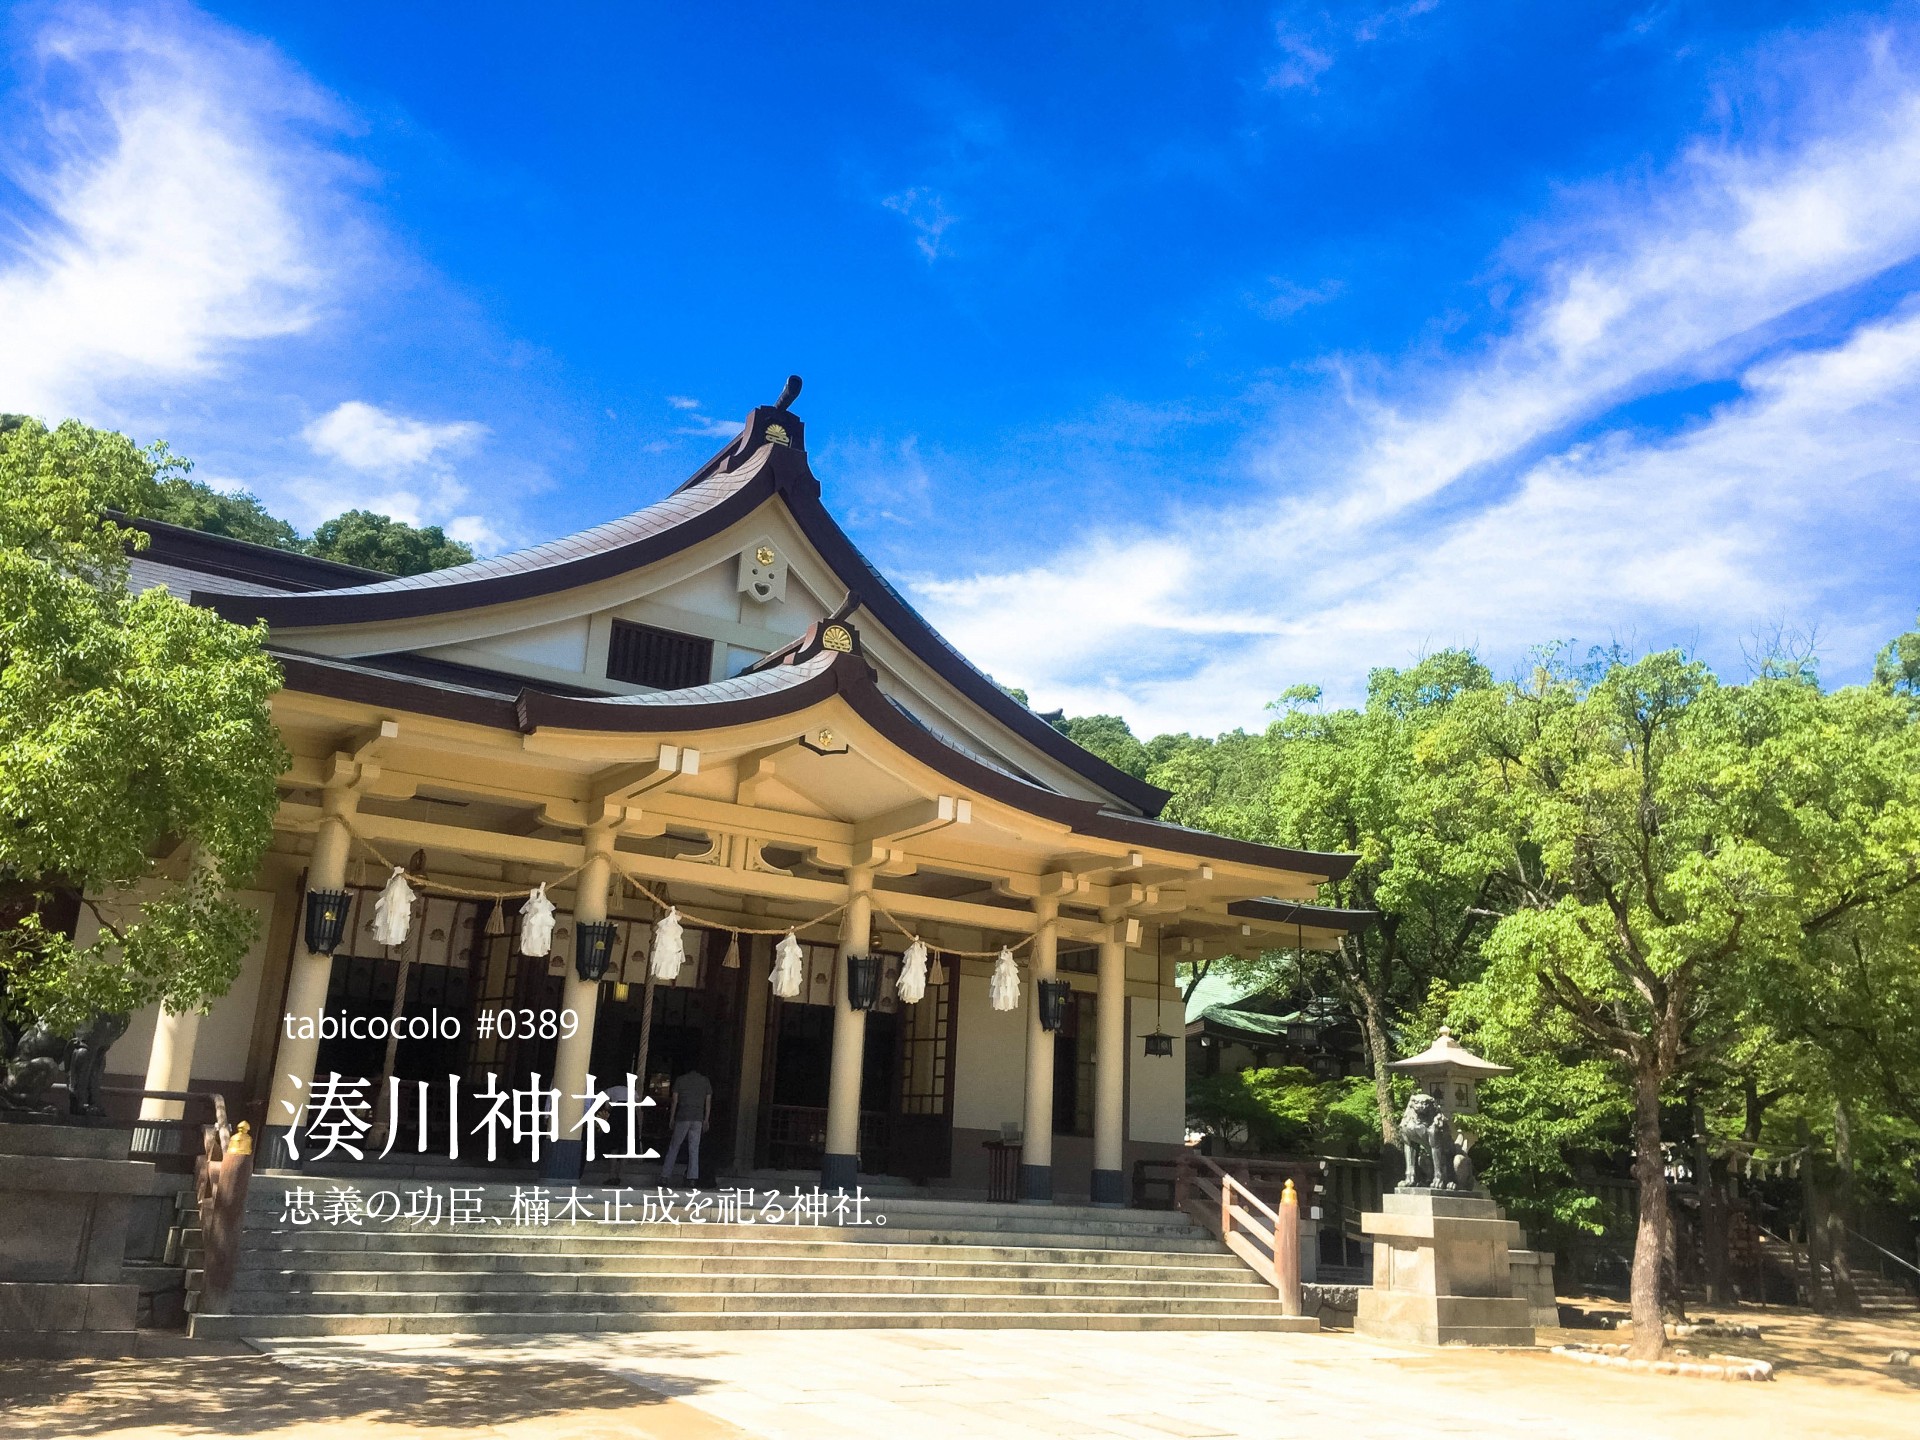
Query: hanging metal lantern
x,y
863,981
1053,1003
1159,1043
326,919
592,948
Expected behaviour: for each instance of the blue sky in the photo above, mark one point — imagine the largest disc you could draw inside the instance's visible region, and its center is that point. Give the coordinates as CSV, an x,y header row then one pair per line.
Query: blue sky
x,y
1167,356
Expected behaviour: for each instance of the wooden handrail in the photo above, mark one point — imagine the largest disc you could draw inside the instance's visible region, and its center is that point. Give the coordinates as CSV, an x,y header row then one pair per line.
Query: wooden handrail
x,y
1265,1238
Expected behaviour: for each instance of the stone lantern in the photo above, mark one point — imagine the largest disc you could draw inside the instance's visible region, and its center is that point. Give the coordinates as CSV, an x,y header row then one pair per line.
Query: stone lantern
x,y
1450,1073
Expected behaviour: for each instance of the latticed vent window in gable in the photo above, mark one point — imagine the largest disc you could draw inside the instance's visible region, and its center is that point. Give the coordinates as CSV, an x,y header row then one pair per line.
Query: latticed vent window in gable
x,y
662,659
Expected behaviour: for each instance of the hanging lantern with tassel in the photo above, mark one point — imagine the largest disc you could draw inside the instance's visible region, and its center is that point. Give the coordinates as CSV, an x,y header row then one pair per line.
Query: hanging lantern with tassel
x,y
732,959
536,924
911,987
1003,991
669,946
789,967
393,911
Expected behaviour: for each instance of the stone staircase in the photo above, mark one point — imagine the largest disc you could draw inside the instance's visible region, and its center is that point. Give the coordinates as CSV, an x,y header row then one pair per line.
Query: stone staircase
x,y
932,1263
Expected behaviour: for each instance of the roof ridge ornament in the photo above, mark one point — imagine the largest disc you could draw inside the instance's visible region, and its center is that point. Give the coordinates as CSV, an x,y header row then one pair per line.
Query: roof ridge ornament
x,y
835,633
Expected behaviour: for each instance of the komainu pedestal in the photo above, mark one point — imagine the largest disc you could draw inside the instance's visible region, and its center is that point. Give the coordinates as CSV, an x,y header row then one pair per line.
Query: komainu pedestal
x,y
1441,1272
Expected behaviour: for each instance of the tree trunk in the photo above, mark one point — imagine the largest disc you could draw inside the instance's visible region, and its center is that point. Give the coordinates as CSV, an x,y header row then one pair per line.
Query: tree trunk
x,y
1813,1222
1650,1239
1840,1211
1376,1034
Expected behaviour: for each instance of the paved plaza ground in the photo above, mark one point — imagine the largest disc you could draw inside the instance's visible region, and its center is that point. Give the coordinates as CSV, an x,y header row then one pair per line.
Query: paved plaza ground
x,y
932,1384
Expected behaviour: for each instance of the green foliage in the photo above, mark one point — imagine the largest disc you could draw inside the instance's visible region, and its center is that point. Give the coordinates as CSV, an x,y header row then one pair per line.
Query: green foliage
x,y
185,502
132,727
1284,1110
379,542
1897,668
1109,737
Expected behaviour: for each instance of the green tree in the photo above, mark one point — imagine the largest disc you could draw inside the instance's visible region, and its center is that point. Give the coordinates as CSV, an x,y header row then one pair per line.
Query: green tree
x,y
1109,737
133,728
1352,780
379,542
1897,668
1634,936
181,501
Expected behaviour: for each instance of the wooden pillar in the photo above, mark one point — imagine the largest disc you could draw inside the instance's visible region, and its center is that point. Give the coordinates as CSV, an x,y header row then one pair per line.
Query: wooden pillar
x,y
307,982
1110,1070
840,1166
756,956
566,1157
1036,1156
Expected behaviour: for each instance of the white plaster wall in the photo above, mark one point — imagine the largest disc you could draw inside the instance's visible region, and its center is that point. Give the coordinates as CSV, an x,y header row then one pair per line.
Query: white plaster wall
x,y
220,1049
561,646
990,1081
1156,1085
715,591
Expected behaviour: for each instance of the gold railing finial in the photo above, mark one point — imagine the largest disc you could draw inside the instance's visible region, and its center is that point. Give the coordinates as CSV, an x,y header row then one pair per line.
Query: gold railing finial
x,y
241,1141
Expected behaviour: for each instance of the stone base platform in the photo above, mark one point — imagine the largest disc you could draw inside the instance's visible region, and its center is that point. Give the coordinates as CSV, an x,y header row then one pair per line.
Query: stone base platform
x,y
65,1193
1442,1272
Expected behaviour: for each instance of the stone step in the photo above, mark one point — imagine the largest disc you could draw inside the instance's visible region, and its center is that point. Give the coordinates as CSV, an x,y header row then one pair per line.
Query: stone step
x,y
266,1201
268,1327
423,1266
295,1285
718,1240
461,1301
916,1228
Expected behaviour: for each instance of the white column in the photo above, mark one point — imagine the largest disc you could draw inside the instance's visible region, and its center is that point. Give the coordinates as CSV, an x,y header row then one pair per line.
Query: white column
x,y
307,984
567,1158
170,1064
1110,1070
1036,1156
840,1166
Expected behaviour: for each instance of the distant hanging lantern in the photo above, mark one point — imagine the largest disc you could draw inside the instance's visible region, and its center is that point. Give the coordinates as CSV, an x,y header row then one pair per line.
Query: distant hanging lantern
x,y
326,920
536,924
393,911
1159,1042
863,981
669,946
1003,990
789,967
911,986
592,948
1053,1003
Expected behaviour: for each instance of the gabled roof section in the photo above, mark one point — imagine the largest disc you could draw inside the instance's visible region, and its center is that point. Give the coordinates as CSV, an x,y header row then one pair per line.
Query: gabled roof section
x,y
767,459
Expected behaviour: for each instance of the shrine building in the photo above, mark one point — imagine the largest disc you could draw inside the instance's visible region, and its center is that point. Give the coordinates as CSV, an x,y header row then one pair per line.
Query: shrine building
x,y
715,703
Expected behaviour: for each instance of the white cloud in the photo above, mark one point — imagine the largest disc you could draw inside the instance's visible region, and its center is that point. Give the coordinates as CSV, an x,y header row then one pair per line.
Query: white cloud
x,y
1449,505
178,199
925,209
365,437
683,402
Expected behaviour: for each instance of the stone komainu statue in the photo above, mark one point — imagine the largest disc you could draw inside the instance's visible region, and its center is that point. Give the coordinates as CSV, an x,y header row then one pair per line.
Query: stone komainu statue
x,y
1434,1159
34,1058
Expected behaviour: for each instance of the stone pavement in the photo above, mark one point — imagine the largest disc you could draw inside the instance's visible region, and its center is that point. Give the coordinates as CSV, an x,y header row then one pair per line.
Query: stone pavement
x,y
1011,1385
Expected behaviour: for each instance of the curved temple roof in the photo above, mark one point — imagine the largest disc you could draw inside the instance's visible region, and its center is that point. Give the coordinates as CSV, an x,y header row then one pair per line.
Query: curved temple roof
x,y
812,674
752,469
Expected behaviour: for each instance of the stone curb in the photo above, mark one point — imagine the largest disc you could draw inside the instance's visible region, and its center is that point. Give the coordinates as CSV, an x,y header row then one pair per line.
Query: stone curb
x,y
1614,1357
